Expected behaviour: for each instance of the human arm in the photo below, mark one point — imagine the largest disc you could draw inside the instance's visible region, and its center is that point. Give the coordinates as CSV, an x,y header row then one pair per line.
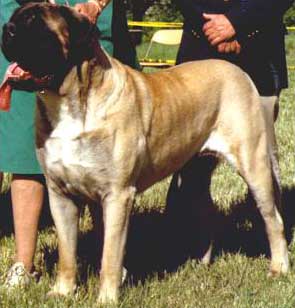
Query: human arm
x,y
229,47
244,20
253,15
192,13
221,33
218,28
92,8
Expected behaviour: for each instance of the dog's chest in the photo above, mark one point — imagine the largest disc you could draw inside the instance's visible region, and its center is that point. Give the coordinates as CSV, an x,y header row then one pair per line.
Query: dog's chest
x,y
72,162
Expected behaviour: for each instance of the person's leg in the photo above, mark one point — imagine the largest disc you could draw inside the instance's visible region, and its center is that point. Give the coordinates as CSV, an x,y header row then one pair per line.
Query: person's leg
x,y
190,210
27,192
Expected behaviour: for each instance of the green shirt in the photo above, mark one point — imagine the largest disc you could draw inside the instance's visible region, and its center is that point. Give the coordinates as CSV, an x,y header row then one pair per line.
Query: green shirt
x,y
17,128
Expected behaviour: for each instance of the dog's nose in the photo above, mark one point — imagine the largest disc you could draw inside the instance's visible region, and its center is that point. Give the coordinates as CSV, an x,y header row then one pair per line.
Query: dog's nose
x,y
9,29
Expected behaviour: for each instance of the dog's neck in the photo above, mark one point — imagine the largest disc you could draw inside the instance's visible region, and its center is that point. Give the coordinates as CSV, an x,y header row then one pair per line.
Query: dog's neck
x,y
93,60
89,75
87,50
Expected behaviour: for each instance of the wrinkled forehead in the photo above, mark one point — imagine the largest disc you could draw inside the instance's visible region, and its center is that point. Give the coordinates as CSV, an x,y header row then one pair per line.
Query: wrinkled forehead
x,y
33,15
37,16
32,11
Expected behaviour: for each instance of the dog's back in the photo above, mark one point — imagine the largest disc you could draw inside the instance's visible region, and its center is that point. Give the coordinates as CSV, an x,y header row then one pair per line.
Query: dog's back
x,y
189,103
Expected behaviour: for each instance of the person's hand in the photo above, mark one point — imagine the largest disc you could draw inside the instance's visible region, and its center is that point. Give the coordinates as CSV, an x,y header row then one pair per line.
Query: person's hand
x,y
90,9
218,28
229,47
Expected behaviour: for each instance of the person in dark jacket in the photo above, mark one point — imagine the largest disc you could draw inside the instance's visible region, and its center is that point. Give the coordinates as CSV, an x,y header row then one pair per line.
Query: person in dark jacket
x,y
255,24
250,34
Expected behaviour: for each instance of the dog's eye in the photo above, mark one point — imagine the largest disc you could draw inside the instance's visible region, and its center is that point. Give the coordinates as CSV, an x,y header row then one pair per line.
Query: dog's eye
x,y
30,18
10,29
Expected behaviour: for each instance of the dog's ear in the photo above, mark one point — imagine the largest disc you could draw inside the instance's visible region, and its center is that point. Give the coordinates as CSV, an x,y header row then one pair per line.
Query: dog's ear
x,y
83,42
81,30
8,35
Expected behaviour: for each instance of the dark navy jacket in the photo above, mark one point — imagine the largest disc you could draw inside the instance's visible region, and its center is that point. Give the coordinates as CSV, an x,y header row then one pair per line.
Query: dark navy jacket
x,y
124,49
260,31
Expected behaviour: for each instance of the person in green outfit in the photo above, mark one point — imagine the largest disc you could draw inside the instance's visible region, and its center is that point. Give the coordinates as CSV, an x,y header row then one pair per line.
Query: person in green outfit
x,y
17,132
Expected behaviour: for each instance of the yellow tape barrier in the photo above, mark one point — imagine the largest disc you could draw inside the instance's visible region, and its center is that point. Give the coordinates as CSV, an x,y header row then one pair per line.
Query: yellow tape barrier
x,y
161,24
155,24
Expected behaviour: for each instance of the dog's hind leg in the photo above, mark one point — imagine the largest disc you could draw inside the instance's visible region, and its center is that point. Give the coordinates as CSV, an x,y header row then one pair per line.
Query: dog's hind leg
x,y
254,164
65,215
116,210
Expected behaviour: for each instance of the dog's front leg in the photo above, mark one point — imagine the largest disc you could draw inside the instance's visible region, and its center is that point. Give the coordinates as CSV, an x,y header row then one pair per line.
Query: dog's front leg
x,y
65,215
116,210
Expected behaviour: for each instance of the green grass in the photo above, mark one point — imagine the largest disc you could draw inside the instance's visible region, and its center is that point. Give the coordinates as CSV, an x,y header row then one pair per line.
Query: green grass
x,y
5,184
161,275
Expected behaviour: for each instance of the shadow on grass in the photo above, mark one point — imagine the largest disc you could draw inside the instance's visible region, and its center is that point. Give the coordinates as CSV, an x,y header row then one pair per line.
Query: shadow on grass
x,y
158,243
6,217
6,222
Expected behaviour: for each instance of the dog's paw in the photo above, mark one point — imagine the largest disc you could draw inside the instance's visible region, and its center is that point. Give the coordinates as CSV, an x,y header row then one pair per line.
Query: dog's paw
x,y
279,268
62,289
54,294
107,298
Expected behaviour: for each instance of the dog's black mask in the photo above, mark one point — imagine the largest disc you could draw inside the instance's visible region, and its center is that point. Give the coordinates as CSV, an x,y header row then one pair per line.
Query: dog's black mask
x,y
47,39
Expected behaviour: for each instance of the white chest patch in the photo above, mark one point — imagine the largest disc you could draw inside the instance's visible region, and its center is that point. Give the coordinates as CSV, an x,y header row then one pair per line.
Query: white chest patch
x,y
76,156
68,158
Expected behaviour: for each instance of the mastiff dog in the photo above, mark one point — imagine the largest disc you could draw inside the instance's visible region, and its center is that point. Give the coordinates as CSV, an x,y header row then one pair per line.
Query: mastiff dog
x,y
109,132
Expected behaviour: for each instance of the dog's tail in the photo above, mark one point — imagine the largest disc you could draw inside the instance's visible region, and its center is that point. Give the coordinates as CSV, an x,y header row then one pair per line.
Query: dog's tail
x,y
275,171
268,106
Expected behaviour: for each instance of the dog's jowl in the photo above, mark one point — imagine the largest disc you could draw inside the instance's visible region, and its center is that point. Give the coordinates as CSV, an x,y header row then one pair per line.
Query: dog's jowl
x,y
108,132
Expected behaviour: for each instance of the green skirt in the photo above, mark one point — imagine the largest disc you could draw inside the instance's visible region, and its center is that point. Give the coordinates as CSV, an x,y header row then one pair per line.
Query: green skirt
x,y
17,128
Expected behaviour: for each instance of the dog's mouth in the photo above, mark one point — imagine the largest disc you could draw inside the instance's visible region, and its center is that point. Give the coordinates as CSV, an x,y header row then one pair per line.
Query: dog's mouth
x,y
19,79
